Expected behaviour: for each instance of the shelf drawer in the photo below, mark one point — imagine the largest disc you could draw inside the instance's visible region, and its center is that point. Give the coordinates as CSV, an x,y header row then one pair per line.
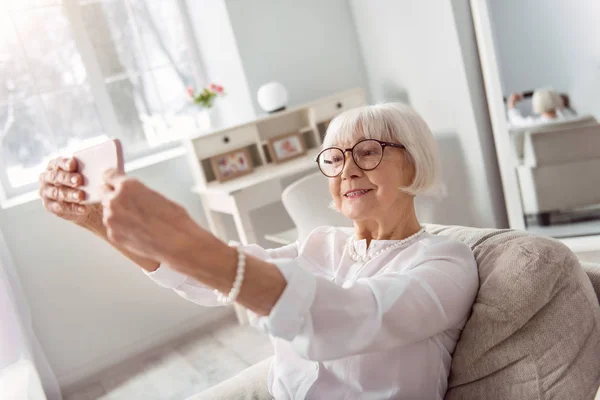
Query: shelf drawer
x,y
330,108
222,142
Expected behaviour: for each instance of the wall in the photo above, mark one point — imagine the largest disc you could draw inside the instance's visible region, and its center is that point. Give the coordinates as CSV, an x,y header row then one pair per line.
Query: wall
x,y
310,46
90,306
222,63
424,53
550,43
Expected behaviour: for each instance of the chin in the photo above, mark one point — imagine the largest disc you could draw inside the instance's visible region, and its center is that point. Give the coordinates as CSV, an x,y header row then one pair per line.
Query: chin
x,y
355,213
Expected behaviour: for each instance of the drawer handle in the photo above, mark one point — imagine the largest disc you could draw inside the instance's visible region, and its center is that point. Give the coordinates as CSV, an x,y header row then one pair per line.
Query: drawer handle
x,y
339,105
226,139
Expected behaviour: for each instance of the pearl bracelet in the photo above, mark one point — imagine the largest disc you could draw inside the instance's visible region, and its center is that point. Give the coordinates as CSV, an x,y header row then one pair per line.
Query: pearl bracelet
x,y
237,283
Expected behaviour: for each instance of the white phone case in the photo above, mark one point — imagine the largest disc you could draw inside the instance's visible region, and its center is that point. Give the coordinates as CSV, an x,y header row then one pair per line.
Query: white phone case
x,y
93,162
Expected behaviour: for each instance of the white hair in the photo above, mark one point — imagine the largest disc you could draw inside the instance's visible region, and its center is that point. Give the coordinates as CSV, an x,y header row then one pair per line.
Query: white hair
x,y
545,100
396,123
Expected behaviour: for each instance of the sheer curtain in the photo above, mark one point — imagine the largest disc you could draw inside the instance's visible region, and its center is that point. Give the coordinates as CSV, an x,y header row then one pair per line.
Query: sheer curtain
x,y
24,370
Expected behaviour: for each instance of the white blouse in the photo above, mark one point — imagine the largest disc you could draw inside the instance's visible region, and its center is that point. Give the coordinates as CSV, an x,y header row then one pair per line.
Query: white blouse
x,y
380,329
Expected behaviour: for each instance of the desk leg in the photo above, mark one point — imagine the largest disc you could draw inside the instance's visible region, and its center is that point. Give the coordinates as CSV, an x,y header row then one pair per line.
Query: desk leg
x,y
244,226
216,225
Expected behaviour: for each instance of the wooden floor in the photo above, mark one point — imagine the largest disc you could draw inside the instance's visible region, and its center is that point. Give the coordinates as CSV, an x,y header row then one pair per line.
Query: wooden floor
x,y
181,369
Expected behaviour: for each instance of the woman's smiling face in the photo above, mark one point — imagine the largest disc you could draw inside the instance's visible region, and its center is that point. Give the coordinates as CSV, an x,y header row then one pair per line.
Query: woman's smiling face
x,y
372,192
361,195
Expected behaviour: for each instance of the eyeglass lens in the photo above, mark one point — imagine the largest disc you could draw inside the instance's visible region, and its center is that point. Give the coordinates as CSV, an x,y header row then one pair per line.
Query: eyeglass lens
x,y
367,155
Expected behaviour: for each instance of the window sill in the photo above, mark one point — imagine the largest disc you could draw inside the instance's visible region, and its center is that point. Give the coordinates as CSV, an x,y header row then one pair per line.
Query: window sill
x,y
130,166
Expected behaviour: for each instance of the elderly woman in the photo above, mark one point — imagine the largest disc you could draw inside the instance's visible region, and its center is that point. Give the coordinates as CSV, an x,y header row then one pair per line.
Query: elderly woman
x,y
372,312
546,103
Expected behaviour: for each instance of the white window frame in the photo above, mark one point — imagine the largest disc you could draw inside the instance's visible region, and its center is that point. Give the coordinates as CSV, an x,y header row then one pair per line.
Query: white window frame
x,y
98,87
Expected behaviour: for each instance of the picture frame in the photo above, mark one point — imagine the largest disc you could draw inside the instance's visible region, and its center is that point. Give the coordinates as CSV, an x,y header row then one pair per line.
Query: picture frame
x,y
232,164
286,147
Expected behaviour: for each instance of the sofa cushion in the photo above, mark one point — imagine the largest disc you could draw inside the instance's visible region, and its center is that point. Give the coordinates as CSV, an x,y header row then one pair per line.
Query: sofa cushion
x,y
534,331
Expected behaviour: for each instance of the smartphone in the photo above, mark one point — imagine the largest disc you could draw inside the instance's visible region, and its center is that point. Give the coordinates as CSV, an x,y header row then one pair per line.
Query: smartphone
x,y
93,162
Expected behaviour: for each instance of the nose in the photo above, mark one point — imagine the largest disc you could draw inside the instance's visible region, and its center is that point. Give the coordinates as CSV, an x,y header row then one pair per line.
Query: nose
x,y
350,169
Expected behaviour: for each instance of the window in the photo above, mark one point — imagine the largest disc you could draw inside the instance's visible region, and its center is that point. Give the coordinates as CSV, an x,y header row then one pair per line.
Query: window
x,y
74,72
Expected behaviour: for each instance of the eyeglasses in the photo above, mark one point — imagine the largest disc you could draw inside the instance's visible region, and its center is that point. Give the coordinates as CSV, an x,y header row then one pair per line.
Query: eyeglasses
x,y
367,155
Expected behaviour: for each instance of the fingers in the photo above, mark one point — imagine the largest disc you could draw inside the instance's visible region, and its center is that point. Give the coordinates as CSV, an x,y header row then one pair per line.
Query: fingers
x,y
61,177
113,178
62,209
64,163
62,194
106,193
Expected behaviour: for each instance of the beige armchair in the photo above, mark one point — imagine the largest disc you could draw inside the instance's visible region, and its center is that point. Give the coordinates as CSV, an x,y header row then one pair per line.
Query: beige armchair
x,y
517,135
534,332
559,170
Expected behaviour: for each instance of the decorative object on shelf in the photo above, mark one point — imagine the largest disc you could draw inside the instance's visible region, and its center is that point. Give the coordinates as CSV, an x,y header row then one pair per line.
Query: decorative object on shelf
x,y
207,95
286,147
208,116
232,164
272,97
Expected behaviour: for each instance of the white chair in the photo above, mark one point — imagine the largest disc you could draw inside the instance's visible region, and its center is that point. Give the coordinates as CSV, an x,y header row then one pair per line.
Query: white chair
x,y
307,202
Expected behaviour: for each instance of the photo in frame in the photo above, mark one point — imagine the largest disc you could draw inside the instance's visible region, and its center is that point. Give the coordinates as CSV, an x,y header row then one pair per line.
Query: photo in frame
x,y
232,164
286,147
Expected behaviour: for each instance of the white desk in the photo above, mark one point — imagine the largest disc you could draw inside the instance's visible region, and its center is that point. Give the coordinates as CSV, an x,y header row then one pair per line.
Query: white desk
x,y
242,195
286,237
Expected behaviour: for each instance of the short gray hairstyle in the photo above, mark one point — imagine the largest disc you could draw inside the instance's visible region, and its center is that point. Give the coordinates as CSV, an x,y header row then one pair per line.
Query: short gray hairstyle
x,y
396,123
545,100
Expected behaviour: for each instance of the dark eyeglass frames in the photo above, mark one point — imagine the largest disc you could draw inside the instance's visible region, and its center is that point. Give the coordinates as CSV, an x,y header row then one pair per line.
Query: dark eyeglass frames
x,y
367,155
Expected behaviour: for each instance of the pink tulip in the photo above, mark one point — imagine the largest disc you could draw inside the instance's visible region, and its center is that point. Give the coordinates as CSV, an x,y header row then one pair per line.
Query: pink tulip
x,y
190,91
215,88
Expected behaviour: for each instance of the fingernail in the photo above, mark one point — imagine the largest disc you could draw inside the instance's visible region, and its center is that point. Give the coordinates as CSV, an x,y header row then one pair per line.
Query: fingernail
x,y
74,179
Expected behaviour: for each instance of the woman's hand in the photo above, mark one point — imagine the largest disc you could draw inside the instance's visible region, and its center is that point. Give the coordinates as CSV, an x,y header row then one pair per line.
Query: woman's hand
x,y
58,189
514,99
148,224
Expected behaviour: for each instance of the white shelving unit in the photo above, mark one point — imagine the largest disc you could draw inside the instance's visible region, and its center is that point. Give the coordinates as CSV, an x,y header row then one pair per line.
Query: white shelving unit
x,y
263,186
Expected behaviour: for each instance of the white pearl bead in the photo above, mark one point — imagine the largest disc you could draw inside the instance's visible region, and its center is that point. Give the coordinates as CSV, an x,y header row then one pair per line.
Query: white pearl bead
x,y
355,257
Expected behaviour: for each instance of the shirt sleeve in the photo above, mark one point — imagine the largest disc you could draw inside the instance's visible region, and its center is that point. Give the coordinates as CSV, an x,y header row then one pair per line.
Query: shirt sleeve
x,y
516,119
196,292
324,321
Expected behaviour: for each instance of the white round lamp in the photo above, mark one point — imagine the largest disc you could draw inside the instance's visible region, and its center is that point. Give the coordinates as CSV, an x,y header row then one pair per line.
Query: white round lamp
x,y
272,97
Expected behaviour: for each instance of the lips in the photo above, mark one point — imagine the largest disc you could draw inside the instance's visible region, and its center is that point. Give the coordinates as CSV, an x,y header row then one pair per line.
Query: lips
x,y
356,193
